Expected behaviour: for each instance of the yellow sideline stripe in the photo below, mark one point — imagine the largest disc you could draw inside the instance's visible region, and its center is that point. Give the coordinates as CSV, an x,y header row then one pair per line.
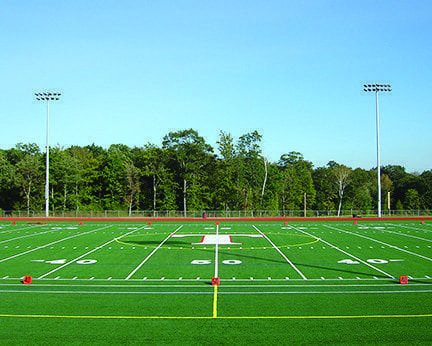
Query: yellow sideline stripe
x,y
215,302
221,317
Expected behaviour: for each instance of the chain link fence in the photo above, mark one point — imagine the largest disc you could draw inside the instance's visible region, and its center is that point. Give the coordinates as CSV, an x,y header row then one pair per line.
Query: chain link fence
x,y
212,213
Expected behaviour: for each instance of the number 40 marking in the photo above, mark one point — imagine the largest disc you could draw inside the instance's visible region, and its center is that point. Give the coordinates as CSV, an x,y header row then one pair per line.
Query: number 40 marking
x,y
63,261
371,260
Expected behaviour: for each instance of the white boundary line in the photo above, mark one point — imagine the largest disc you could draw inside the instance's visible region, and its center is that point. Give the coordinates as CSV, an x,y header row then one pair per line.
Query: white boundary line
x,y
278,250
55,242
7,278
225,286
87,253
346,253
151,254
222,293
381,242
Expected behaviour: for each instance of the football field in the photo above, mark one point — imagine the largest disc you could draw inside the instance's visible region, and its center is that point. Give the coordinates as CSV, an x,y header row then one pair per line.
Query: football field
x,y
295,282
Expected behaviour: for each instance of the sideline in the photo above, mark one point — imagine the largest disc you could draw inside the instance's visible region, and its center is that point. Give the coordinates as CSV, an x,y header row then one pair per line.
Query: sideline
x,y
219,317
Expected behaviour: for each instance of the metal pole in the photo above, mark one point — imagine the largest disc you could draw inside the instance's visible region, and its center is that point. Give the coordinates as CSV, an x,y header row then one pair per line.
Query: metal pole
x,y
376,88
47,166
305,204
378,155
47,96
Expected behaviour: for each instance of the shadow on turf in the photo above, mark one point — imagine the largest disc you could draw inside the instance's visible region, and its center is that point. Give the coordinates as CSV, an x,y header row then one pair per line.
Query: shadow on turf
x,y
253,257
151,242
322,267
339,270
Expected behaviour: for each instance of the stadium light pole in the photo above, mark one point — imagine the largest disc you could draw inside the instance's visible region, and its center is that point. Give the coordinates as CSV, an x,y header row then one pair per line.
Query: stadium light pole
x,y
377,88
47,96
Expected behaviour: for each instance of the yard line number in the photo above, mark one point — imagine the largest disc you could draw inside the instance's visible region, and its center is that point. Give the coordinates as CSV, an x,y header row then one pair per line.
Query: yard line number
x,y
209,262
371,260
63,261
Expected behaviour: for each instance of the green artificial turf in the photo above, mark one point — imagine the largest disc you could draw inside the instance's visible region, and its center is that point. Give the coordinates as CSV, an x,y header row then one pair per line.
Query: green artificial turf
x,y
301,283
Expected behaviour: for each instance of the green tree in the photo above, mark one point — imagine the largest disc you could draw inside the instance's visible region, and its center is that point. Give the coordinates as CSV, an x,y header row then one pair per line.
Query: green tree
x,y
132,185
113,174
342,179
412,199
88,179
28,177
224,174
326,194
226,146
189,155
296,174
250,173
64,177
7,172
358,192
425,190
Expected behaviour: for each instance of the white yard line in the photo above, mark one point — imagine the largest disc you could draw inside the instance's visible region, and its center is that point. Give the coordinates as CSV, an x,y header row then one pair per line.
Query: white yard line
x,y
28,235
55,242
217,253
87,253
21,229
281,253
416,228
381,242
151,254
405,235
346,253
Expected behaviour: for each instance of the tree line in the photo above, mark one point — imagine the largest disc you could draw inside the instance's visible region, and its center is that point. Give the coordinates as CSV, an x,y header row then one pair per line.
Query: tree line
x,y
185,173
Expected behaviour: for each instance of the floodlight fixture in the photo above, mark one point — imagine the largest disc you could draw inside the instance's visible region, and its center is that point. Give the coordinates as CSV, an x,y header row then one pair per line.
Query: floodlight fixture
x,y
377,88
47,96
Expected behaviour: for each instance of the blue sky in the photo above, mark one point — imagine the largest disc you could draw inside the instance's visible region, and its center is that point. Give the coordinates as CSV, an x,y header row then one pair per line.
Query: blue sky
x,y
132,71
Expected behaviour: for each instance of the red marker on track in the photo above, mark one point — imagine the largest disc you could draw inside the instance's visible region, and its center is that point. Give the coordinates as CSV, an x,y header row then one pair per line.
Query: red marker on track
x,y
149,223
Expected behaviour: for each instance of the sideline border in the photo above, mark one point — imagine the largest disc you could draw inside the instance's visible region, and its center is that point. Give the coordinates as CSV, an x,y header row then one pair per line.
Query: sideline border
x,y
216,317
250,219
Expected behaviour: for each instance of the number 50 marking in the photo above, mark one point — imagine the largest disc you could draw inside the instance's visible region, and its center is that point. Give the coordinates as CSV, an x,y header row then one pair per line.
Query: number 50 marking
x,y
231,262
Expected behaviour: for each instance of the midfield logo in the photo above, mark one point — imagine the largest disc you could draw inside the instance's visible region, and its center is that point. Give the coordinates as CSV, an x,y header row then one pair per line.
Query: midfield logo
x,y
220,239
